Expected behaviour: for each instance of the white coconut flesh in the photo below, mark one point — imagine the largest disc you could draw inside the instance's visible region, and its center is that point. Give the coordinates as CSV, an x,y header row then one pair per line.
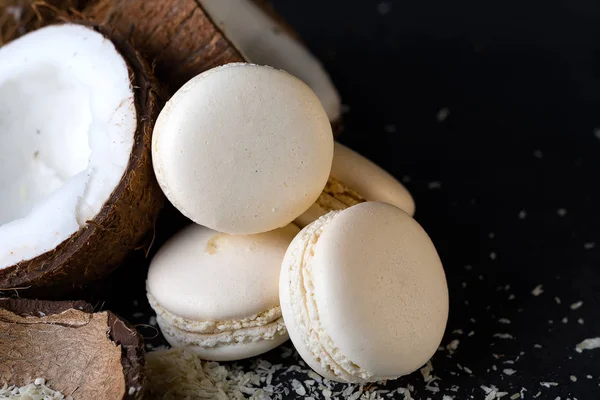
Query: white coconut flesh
x,y
67,126
261,40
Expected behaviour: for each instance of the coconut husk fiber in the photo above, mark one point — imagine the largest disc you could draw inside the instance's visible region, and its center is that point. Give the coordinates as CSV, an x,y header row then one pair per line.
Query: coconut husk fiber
x,y
78,352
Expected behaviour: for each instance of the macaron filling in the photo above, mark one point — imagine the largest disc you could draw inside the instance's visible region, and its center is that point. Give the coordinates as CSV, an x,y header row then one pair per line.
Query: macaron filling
x,y
209,334
306,311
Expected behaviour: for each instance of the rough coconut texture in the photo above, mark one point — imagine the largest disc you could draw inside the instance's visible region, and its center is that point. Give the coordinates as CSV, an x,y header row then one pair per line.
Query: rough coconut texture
x,y
126,218
82,354
177,36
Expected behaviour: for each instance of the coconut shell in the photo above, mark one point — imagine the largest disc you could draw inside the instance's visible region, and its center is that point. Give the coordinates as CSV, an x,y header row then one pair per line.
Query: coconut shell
x,y
177,35
127,219
81,353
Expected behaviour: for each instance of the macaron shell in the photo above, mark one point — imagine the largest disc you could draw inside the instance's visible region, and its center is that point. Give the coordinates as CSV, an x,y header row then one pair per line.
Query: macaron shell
x,y
370,180
243,149
204,275
230,352
380,289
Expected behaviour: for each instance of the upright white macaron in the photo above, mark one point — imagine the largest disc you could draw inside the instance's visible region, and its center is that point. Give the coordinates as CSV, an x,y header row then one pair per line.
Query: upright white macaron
x,y
369,179
243,148
355,173
363,294
217,294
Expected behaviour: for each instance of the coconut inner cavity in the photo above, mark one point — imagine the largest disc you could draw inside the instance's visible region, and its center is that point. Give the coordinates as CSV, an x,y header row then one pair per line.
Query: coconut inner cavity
x,y
67,125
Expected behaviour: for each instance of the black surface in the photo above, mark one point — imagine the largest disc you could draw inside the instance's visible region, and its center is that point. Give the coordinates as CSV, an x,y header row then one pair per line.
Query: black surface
x,y
522,84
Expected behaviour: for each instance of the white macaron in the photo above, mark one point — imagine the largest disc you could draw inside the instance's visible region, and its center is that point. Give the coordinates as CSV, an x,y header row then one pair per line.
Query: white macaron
x,y
243,148
354,179
369,179
363,294
217,294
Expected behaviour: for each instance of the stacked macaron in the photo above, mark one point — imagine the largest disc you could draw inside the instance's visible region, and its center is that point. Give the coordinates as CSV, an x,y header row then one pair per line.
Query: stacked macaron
x,y
247,153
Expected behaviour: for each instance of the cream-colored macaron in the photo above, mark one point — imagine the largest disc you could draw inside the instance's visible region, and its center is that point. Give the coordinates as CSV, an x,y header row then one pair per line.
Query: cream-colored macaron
x,y
369,179
243,148
363,294
217,294
354,179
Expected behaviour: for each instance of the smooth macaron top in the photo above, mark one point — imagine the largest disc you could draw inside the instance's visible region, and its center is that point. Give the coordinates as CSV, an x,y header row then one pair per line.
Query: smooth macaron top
x,y
364,294
243,148
204,275
370,180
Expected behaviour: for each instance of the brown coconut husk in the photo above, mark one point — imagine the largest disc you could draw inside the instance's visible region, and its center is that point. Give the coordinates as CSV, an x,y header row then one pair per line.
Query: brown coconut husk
x,y
83,354
127,219
178,36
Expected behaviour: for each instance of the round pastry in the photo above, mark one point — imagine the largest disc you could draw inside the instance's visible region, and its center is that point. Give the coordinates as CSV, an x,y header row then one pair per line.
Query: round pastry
x,y
243,148
364,294
369,179
218,294
355,179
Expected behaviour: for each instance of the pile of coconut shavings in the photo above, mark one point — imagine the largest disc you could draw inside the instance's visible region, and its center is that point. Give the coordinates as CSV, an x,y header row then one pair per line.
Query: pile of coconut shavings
x,y
180,374
33,391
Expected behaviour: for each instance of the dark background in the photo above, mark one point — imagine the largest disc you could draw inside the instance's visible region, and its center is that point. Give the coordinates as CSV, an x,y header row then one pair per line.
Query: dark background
x,y
507,185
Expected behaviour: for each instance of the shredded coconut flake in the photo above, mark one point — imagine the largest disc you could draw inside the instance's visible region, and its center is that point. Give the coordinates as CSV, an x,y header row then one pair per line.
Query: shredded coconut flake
x,y
452,346
548,384
503,336
588,344
538,290
33,391
577,305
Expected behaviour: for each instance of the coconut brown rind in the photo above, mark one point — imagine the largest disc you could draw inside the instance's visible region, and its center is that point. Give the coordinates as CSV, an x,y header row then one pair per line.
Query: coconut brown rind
x,y
18,17
125,222
80,353
177,35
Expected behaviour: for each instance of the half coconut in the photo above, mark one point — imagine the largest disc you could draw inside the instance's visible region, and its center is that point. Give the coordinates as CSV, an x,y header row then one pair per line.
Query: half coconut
x,y
187,37
64,348
77,192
